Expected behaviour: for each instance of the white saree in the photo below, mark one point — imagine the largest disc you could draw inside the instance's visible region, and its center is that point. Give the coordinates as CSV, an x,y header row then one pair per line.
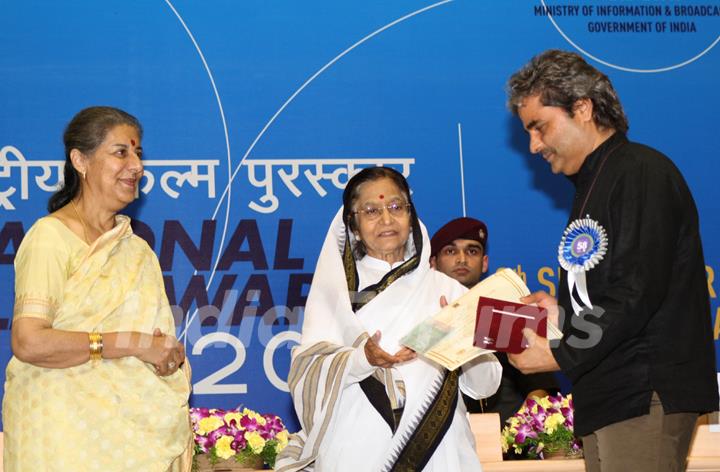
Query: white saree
x,y
341,430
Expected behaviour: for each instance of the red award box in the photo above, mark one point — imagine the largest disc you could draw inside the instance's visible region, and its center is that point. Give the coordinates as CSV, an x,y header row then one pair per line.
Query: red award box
x,y
499,324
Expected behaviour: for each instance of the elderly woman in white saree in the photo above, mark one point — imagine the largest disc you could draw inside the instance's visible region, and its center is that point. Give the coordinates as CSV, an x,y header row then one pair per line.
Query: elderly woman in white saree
x,y
362,408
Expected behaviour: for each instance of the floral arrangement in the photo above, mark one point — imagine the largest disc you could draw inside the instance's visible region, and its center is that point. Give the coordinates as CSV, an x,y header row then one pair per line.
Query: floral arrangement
x,y
244,435
541,427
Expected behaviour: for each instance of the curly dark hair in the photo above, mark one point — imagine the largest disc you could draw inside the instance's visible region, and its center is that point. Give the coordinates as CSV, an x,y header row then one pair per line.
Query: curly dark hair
x,y
561,78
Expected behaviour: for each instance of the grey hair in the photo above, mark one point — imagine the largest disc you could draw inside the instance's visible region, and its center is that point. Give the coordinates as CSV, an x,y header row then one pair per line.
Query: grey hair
x,y
561,78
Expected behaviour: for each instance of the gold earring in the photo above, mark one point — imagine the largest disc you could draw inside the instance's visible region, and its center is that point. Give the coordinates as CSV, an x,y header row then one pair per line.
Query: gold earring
x,y
82,172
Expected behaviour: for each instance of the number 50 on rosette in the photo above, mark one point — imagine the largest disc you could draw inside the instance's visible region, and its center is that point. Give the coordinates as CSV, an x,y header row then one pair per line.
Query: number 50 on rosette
x,y
582,247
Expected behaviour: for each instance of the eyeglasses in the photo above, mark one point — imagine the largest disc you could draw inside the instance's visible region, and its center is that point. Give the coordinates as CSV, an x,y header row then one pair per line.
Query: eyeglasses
x,y
396,210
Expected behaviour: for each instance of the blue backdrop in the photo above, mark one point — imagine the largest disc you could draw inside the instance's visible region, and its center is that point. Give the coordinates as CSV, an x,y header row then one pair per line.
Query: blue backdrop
x,y
255,113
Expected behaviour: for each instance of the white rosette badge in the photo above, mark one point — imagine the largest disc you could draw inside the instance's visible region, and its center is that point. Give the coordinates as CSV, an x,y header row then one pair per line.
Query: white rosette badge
x,y
582,247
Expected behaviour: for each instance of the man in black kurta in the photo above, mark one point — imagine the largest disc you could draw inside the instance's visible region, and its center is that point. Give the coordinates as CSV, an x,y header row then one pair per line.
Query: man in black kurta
x,y
642,358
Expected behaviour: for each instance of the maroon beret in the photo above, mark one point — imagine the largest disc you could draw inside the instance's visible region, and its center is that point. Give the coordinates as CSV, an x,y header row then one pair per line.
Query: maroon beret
x,y
459,228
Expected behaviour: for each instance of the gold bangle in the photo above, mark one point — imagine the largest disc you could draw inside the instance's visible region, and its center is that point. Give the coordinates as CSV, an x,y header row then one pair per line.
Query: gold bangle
x,y
96,346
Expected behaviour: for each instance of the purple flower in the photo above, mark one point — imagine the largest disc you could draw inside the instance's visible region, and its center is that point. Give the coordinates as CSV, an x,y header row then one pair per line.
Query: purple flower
x,y
239,443
205,443
273,423
218,433
569,419
537,420
196,414
525,431
250,424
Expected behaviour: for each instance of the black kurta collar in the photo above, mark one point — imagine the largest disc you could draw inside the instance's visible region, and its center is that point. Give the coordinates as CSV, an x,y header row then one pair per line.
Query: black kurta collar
x,y
593,160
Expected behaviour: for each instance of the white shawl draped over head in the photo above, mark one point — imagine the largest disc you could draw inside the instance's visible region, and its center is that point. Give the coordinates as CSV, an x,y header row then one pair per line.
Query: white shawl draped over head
x,y
332,331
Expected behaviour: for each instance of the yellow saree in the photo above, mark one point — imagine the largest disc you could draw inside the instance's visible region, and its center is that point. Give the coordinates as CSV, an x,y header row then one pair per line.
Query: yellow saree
x,y
109,415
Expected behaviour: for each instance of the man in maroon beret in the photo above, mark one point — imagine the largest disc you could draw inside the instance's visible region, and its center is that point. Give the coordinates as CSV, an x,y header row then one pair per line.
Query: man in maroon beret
x,y
458,250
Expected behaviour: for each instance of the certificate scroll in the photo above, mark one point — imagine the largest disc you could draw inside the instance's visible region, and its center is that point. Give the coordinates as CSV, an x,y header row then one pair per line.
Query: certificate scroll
x,y
447,337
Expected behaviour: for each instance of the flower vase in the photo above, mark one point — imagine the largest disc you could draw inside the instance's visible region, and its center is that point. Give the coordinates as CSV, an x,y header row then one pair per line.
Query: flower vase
x,y
201,463
563,454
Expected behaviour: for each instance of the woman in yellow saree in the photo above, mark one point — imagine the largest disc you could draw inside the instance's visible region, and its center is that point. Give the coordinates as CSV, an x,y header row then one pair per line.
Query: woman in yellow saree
x,y
98,381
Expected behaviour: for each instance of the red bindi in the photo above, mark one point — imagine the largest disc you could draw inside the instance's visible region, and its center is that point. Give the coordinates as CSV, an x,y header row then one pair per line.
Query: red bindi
x,y
382,196
132,141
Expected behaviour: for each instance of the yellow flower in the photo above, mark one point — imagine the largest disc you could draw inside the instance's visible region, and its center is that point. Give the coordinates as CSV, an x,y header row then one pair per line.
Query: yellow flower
x,y
233,415
544,402
222,447
553,421
282,438
255,441
253,415
206,425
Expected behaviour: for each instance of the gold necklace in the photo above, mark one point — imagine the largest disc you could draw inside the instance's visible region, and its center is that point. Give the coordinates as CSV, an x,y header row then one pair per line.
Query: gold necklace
x,y
82,222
